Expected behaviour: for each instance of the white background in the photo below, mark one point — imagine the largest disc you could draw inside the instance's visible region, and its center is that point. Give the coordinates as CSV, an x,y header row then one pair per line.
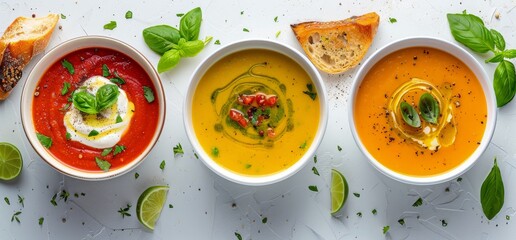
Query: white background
x,y
208,207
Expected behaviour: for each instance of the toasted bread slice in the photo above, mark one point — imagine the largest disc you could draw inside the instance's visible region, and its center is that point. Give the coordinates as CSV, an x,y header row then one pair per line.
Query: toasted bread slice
x,y
23,39
337,46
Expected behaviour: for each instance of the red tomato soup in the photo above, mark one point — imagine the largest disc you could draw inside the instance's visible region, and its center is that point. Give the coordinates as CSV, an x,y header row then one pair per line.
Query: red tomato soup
x,y
53,99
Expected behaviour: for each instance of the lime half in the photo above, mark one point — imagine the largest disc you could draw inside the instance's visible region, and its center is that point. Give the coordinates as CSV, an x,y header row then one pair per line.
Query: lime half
x,y
150,204
10,161
338,191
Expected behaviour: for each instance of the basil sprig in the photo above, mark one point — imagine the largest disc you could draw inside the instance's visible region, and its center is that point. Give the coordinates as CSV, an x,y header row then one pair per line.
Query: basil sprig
x,y
429,108
410,115
492,193
86,102
470,30
174,44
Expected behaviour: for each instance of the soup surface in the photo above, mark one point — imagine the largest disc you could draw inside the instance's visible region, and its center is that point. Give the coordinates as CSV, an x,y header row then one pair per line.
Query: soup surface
x,y
116,135
255,112
431,148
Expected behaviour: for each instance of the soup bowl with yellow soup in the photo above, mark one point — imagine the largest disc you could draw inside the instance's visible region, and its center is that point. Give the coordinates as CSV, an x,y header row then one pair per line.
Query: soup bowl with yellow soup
x,y
255,111
422,110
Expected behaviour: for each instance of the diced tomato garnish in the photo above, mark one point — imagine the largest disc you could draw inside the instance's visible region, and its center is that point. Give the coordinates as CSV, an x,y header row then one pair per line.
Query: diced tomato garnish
x,y
238,117
261,99
271,133
246,100
271,101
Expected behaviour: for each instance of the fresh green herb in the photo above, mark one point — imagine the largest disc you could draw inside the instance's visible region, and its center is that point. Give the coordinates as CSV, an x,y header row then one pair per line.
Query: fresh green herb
x,y
110,26
359,214
103,164
68,136
303,145
276,19
20,200
418,202
161,38
93,133
68,66
215,151
179,14
118,149
190,48
15,217
410,115
386,229
118,119
315,171
507,217
66,88
247,165
117,79
217,42
195,155
339,148
106,151
169,60
125,211
401,221
41,220
313,188
245,30
85,102
53,200
238,236
315,158
162,165
374,212
492,192
190,24
105,97
148,94
65,107
264,220
470,30
459,179
63,16
105,70
242,13
356,194
128,15
444,223
76,195
178,149
310,91
44,140
6,199
278,33
207,40
64,195
392,20
429,108
170,206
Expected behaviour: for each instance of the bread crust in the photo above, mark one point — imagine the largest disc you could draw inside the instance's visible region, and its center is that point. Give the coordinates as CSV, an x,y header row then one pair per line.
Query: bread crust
x,y
23,39
337,46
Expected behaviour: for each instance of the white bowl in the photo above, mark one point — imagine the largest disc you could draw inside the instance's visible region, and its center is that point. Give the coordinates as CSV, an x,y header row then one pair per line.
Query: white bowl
x,y
256,44
54,55
479,72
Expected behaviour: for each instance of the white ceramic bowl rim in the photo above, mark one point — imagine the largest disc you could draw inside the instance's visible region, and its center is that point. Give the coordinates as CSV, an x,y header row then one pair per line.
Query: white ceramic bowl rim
x,y
461,54
256,44
50,58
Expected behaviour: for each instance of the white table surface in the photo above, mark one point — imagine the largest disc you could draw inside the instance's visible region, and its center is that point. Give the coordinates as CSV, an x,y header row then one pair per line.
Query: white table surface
x,y
206,206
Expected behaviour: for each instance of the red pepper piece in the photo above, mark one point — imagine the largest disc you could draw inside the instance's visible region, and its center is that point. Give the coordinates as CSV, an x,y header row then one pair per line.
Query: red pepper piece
x,y
261,99
271,100
238,117
246,100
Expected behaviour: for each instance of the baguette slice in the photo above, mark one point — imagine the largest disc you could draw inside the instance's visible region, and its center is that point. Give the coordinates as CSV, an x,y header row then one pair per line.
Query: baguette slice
x,y
23,39
337,46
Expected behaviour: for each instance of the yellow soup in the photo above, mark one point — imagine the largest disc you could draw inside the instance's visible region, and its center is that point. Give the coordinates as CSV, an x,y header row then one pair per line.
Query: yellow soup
x,y
432,147
255,112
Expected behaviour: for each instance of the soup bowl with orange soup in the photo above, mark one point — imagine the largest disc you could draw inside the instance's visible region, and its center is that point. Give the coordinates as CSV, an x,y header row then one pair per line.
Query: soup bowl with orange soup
x,y
93,107
255,111
422,110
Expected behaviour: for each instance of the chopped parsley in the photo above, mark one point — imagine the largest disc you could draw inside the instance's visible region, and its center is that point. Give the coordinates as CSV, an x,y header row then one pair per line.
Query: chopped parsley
x,y
276,19
315,171
68,136
178,149
313,188
128,15
444,223
339,148
356,194
118,119
242,13
20,200
217,42
392,20
125,211
6,199
103,164
136,175
179,14
247,165
215,151
63,16
170,206
359,214
310,91
162,165
41,220
386,229
315,158
93,133
238,236
53,200
245,30
303,145
278,33
264,220
64,195
66,88
110,26
418,202
195,155
459,179
374,212
15,217
401,221
68,66
507,217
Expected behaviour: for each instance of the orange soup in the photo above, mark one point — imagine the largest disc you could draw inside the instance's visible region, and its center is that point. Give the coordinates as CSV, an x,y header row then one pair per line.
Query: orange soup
x,y
429,148
255,112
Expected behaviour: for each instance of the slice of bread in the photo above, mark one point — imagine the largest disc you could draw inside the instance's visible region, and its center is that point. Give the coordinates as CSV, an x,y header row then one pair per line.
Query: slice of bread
x,y
337,46
23,39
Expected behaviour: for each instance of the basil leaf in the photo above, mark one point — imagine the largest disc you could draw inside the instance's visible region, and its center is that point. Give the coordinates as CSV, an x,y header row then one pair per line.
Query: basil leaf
x,y
498,57
107,95
161,38
190,24
509,53
103,164
118,119
106,151
469,30
148,94
68,66
85,102
504,83
110,26
498,39
93,133
68,136
66,87
118,149
410,115
44,140
105,70
492,193
429,108
117,79
169,60
190,48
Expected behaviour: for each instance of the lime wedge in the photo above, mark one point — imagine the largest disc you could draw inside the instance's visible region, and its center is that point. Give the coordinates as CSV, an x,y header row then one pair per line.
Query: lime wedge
x,y
10,161
338,191
150,204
